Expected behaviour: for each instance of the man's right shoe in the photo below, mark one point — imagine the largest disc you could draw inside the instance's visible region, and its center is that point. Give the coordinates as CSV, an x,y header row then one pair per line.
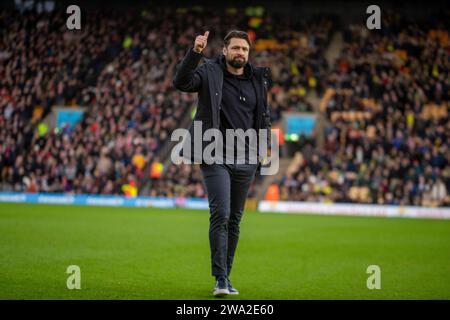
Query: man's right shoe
x,y
221,288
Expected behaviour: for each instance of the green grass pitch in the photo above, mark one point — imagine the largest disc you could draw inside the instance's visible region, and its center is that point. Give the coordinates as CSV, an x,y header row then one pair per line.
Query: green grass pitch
x,y
148,253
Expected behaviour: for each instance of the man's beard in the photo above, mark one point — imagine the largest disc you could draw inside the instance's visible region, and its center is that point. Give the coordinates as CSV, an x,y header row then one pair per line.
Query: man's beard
x,y
235,63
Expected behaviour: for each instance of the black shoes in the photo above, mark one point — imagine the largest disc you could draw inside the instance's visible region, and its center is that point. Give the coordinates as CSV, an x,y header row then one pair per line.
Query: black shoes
x,y
224,287
221,288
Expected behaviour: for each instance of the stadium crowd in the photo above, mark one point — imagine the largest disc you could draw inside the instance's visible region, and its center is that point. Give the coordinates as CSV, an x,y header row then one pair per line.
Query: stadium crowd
x,y
119,67
123,81
388,138
41,66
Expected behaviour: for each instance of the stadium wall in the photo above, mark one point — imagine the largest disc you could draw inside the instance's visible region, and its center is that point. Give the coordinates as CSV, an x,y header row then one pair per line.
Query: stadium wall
x,y
298,207
102,200
350,209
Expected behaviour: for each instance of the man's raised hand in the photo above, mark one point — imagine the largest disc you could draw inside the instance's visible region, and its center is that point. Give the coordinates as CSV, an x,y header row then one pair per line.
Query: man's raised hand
x,y
200,42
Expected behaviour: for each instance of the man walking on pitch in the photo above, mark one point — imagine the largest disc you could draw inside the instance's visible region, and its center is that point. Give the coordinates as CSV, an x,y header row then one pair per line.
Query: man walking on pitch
x,y
232,94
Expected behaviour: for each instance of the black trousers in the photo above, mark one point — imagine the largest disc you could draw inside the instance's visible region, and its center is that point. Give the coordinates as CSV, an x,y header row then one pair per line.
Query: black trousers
x,y
227,187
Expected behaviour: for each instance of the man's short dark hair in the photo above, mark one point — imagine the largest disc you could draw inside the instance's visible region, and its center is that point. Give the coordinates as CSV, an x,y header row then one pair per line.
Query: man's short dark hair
x,y
236,34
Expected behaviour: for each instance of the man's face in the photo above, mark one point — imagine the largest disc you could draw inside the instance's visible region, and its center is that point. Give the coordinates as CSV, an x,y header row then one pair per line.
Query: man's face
x,y
236,53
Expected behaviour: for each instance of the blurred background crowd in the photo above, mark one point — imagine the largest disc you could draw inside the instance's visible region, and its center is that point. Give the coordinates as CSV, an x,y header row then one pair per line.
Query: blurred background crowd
x,y
388,133
383,102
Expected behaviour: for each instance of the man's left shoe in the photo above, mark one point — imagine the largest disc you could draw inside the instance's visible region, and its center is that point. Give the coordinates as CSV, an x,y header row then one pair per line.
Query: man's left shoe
x,y
230,288
221,288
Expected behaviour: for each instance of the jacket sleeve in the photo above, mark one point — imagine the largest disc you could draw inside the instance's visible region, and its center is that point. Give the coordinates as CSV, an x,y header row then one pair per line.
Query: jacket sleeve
x,y
188,77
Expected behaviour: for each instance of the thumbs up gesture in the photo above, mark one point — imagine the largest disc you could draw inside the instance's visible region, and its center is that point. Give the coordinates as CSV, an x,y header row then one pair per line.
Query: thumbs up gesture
x,y
200,42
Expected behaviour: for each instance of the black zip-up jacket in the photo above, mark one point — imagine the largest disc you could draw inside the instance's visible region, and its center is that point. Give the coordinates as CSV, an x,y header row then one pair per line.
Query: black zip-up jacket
x,y
207,80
